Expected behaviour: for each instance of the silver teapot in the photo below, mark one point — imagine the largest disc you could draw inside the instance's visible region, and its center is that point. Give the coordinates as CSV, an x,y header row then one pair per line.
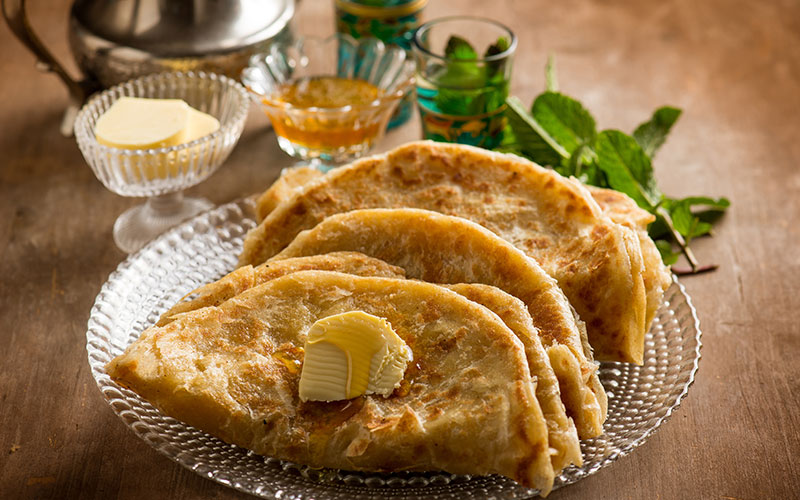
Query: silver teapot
x,y
116,40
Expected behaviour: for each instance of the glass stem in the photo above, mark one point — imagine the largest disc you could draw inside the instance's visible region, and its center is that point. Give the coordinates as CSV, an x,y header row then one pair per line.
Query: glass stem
x,y
165,205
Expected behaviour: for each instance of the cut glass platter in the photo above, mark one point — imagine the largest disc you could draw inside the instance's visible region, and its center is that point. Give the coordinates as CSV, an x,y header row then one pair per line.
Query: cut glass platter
x,y
147,283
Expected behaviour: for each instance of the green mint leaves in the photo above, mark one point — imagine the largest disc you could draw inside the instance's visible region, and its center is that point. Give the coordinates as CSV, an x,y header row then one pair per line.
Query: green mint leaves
x,y
529,138
560,133
468,86
458,49
565,119
627,168
652,134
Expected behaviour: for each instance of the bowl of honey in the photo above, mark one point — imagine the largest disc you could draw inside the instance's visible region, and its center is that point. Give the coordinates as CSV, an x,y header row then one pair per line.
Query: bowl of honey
x,y
329,99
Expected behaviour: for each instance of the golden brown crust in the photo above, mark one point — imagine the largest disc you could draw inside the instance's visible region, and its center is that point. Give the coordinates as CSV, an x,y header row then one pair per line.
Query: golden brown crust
x,y
443,249
563,437
243,278
290,181
550,218
562,434
230,370
623,210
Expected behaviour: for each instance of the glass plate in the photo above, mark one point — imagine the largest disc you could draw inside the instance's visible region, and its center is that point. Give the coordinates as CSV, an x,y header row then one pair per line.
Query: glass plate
x,y
640,398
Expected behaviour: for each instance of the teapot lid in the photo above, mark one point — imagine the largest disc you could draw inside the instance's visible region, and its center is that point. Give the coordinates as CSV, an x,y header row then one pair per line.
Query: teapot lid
x,y
184,28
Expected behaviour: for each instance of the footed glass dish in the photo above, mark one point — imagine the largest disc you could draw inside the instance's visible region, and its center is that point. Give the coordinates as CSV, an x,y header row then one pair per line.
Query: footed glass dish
x,y
322,135
640,398
161,174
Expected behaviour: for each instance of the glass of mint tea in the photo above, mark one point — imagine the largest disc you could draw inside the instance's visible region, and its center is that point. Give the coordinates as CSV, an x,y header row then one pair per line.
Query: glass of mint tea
x,y
463,75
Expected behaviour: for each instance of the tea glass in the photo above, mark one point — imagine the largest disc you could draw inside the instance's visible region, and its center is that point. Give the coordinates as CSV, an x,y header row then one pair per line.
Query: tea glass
x,y
325,137
163,173
390,21
463,100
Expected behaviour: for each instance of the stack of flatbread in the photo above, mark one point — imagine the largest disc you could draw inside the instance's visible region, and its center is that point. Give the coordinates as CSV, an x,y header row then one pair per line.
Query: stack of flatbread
x,y
505,279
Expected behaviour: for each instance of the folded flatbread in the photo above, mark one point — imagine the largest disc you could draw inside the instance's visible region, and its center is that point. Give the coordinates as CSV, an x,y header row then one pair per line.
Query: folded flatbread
x,y
561,430
443,249
231,370
623,210
245,277
618,206
553,219
290,180
563,437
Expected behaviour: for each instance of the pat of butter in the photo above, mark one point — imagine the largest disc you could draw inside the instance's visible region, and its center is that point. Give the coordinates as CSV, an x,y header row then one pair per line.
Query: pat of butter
x,y
140,123
350,354
200,125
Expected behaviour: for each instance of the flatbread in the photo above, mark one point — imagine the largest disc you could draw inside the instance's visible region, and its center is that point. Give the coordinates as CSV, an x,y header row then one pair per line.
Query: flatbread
x,y
623,210
290,180
232,370
443,249
562,435
551,218
243,278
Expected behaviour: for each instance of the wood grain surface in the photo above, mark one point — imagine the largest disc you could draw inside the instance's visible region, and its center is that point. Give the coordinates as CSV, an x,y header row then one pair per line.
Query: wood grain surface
x,y
732,65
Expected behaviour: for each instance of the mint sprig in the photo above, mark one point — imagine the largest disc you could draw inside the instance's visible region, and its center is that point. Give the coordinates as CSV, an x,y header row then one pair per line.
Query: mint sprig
x,y
560,133
466,85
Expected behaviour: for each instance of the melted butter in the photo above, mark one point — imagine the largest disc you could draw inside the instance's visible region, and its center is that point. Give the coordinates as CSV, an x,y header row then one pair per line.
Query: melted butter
x,y
350,354
289,358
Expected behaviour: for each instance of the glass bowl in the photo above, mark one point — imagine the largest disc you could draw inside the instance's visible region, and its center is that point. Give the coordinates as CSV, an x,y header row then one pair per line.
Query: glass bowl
x,y
163,173
326,136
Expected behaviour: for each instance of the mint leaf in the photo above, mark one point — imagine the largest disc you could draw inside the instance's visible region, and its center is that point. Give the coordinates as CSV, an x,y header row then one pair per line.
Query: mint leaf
x,y
719,204
564,119
574,164
456,102
495,69
691,222
509,144
627,168
667,255
686,223
463,70
652,134
682,218
458,49
462,75
501,45
532,140
593,176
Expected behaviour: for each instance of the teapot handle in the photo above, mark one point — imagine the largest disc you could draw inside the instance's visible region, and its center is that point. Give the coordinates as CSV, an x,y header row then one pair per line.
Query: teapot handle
x,y
17,19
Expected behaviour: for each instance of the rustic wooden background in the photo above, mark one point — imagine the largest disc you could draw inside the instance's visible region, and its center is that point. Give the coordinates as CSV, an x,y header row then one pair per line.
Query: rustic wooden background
x,y
733,65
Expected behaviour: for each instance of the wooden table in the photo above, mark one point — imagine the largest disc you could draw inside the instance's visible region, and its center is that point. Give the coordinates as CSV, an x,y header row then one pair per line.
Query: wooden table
x,y
733,66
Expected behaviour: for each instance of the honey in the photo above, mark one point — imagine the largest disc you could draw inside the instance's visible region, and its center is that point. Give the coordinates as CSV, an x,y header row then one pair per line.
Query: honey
x,y
328,92
323,129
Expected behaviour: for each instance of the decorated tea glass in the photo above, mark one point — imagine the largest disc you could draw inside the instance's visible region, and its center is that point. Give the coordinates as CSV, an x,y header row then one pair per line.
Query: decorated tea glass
x,y
326,136
390,21
463,75
163,173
